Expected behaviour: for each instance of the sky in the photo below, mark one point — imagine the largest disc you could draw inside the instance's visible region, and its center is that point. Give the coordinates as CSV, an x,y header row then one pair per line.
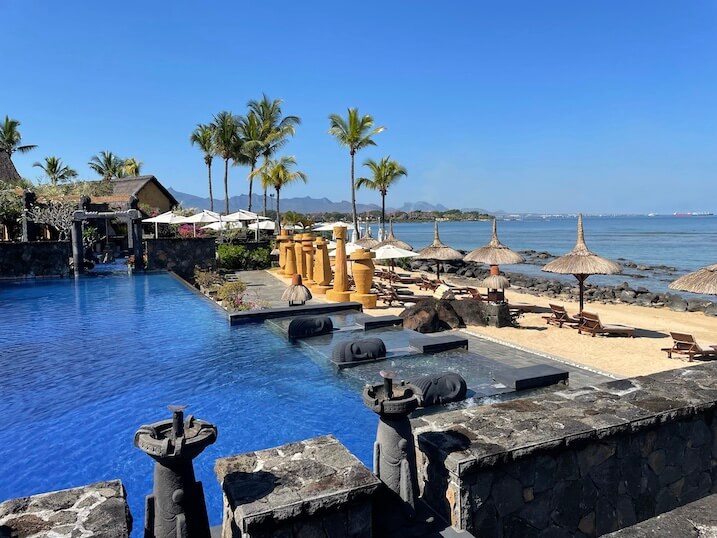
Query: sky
x,y
601,106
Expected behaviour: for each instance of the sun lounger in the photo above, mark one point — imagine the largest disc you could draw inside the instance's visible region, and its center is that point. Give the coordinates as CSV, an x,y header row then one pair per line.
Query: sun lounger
x,y
427,284
390,296
685,344
559,316
522,307
591,324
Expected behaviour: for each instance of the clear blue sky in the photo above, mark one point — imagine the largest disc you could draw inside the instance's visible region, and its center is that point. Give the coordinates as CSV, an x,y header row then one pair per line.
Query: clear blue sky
x,y
550,106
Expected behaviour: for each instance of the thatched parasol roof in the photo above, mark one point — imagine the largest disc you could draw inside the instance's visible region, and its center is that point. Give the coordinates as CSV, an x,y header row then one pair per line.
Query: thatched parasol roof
x,y
701,281
367,241
393,241
494,253
437,250
8,172
580,261
496,282
296,293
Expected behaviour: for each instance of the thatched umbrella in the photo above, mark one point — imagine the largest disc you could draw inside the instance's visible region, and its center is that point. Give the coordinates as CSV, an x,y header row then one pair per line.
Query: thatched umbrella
x,y
581,263
367,241
393,241
296,293
438,252
494,254
701,281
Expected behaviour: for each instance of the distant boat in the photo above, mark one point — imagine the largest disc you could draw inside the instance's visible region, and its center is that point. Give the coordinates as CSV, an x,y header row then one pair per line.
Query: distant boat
x,y
650,214
693,214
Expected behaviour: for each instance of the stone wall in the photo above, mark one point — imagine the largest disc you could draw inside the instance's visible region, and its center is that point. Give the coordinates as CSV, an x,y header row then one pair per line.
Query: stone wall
x,y
38,258
181,255
579,462
98,510
311,488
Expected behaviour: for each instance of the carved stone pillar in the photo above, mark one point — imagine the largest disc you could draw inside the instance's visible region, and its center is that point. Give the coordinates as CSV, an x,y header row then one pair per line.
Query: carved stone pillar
x,y
290,260
308,251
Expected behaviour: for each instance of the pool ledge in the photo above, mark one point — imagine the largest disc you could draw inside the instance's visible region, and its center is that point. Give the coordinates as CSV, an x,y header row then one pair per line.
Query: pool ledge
x,y
257,316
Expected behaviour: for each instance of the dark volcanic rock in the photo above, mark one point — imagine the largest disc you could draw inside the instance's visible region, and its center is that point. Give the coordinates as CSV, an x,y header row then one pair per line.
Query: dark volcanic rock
x,y
470,311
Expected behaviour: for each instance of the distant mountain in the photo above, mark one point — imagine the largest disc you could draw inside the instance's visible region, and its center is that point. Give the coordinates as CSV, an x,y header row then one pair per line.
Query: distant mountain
x,y
305,204
421,206
481,210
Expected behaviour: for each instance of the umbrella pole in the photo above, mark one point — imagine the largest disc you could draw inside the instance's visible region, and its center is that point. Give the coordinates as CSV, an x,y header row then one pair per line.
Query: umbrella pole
x,y
438,271
581,282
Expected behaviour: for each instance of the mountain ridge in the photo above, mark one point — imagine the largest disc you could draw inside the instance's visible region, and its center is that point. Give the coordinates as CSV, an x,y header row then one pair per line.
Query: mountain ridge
x,y
301,204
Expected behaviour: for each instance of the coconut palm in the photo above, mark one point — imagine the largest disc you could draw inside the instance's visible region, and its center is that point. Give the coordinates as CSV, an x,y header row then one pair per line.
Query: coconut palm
x,y
355,132
10,138
384,174
55,170
131,167
250,131
107,165
203,137
278,174
225,144
275,129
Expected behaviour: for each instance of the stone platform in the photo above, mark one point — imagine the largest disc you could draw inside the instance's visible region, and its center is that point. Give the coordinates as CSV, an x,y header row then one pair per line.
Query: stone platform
x,y
99,510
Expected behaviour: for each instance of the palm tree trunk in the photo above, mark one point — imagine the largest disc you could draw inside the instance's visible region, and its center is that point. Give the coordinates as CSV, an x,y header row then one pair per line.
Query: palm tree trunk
x,y
226,186
353,193
251,184
266,160
278,211
383,216
211,194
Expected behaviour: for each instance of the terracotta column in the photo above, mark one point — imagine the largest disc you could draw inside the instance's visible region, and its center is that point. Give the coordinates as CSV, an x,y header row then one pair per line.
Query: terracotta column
x,y
281,240
290,265
341,282
322,267
363,277
308,251
299,255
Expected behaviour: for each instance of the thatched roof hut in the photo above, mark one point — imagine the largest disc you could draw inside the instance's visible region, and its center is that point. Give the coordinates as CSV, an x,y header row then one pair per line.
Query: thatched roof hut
x,y
494,253
701,281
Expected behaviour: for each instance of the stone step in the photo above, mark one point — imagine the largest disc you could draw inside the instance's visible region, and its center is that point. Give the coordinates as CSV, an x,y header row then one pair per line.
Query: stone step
x,y
530,377
436,344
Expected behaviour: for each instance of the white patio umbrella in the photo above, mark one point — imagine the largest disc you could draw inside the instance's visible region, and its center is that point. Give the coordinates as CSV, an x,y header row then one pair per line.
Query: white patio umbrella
x,y
203,217
262,225
390,252
329,226
164,218
216,226
350,247
244,215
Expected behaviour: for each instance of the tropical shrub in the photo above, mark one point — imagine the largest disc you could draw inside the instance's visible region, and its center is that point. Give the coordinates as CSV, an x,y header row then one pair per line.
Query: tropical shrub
x,y
238,257
207,279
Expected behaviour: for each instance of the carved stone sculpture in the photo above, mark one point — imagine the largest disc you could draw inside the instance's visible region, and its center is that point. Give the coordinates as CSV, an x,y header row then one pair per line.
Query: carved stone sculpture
x,y
394,452
322,268
340,291
363,277
290,254
440,389
359,350
304,327
176,506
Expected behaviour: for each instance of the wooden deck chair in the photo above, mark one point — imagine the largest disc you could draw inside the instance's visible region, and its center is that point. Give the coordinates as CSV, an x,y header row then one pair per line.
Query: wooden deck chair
x,y
559,316
591,324
685,344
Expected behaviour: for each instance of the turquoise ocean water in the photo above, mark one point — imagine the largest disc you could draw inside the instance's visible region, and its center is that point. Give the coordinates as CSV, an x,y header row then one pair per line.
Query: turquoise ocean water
x,y
685,243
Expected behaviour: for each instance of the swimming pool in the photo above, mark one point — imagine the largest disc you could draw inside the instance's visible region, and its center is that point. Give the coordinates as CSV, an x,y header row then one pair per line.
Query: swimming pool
x,y
86,362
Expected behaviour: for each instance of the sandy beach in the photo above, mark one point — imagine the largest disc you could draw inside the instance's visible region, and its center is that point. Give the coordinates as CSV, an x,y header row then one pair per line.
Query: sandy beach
x,y
618,356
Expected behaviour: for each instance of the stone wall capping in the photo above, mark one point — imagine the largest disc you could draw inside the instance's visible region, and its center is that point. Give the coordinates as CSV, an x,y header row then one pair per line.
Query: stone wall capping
x,y
303,483
507,431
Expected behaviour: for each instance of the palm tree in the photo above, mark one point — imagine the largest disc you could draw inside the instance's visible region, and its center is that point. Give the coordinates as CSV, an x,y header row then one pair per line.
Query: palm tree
x,y
250,132
275,130
278,174
55,170
385,173
131,167
354,132
203,137
10,138
107,165
225,144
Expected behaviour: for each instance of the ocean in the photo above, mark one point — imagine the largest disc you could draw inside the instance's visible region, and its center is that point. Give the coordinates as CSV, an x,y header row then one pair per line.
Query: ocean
x,y
682,243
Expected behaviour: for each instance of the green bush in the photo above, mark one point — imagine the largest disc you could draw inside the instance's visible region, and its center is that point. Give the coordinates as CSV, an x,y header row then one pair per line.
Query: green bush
x,y
239,257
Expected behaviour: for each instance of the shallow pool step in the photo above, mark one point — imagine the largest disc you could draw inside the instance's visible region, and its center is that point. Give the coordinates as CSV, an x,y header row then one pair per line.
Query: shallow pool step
x,y
314,309
531,377
376,322
436,344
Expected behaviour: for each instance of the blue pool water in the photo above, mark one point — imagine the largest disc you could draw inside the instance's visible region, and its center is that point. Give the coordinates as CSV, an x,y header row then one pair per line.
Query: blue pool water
x,y
84,363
